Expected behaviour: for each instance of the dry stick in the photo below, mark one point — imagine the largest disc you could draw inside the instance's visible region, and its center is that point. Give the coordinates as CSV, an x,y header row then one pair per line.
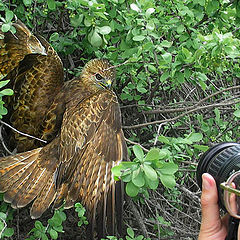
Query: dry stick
x,y
3,143
135,143
191,107
138,217
24,134
181,115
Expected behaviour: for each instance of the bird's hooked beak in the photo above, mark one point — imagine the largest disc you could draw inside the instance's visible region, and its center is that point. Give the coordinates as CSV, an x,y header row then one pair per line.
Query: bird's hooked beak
x,y
108,83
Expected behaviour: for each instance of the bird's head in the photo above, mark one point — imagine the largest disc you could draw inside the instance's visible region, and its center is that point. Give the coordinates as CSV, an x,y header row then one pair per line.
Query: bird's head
x,y
99,72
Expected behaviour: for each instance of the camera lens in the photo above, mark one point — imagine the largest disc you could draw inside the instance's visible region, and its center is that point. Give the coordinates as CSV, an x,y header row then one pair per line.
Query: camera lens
x,y
220,161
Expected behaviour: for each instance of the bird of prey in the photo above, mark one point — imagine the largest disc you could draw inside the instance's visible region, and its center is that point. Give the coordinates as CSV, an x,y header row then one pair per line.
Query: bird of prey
x,y
85,140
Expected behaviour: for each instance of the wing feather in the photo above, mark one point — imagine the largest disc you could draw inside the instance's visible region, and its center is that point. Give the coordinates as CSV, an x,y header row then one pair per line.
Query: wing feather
x,y
92,142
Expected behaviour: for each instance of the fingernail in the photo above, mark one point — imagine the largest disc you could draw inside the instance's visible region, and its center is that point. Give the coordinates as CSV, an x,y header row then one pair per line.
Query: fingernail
x,y
205,183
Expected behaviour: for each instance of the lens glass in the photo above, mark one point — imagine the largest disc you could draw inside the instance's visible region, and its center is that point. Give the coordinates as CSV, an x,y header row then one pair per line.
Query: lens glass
x,y
232,194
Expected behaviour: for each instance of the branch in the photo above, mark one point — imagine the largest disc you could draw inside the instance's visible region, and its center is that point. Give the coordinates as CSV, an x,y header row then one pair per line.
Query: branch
x,y
191,107
24,134
135,143
181,115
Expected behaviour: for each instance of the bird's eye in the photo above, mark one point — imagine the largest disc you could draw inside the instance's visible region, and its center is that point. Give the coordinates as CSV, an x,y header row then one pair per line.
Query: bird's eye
x,y
99,77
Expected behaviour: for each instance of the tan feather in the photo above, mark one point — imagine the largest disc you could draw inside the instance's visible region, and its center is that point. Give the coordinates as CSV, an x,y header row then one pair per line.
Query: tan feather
x,y
14,47
76,164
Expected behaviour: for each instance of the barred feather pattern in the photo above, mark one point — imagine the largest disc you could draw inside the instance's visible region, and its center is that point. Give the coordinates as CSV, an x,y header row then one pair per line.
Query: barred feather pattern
x,y
14,47
76,165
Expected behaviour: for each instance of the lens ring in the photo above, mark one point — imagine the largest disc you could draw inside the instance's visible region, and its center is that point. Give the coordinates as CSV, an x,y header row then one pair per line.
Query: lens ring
x,y
230,198
207,158
220,161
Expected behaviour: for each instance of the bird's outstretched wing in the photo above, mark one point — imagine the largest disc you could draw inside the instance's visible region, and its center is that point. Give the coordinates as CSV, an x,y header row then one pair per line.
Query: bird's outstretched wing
x,y
91,143
36,75
14,47
30,176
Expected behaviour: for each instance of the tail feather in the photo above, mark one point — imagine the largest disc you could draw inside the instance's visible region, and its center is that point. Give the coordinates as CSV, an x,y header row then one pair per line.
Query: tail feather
x,y
44,199
12,168
29,176
31,187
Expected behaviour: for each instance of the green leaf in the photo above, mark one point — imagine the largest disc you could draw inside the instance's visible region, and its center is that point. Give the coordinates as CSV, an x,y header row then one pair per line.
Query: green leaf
x,y
168,180
3,215
53,234
201,147
167,57
212,7
130,232
202,76
1,225
51,4
3,111
163,139
131,189
168,168
150,172
152,68
152,184
6,92
164,76
149,12
87,21
217,115
96,39
105,30
134,7
141,89
166,44
202,84
237,113
153,154
9,16
27,3
54,37
195,137
180,77
39,226
180,28
117,170
138,179
44,236
138,152
6,27
76,20
138,38
8,232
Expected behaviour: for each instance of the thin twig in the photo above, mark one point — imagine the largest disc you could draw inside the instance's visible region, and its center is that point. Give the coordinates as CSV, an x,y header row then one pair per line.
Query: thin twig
x,y
24,134
181,115
135,143
138,217
191,107
3,143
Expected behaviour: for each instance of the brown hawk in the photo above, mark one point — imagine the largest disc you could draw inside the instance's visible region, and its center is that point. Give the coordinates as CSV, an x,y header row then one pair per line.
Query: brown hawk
x,y
83,128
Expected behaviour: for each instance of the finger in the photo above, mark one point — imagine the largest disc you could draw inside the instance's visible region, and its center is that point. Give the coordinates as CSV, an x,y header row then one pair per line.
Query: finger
x,y
238,232
209,201
225,220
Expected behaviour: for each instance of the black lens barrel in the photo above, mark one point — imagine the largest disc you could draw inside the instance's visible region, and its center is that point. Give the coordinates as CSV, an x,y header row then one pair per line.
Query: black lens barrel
x,y
220,161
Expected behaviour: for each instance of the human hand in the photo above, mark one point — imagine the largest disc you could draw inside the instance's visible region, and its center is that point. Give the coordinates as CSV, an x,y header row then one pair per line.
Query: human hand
x,y
212,226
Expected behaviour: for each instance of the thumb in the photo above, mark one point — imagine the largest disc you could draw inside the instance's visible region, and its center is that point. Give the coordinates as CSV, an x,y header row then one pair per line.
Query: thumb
x,y
209,200
211,222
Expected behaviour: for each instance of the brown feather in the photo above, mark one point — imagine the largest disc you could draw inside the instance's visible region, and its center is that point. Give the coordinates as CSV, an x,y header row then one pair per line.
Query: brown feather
x,y
83,123
36,80
14,47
